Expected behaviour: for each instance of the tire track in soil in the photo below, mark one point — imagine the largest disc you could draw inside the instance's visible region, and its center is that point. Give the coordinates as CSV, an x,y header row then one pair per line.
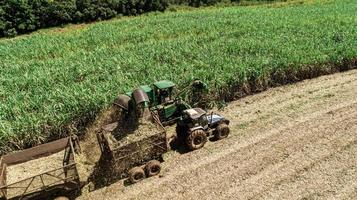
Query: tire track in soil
x,y
285,143
329,178
250,168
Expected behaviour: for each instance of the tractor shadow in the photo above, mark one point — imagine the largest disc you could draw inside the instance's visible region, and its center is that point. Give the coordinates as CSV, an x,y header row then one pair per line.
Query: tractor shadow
x,y
178,145
105,175
102,175
175,141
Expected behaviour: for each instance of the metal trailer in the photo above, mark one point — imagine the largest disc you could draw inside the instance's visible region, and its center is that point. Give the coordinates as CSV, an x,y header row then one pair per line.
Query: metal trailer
x,y
136,160
64,181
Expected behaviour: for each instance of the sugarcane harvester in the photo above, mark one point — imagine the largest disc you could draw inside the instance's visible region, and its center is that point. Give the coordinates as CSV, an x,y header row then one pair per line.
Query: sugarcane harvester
x,y
162,98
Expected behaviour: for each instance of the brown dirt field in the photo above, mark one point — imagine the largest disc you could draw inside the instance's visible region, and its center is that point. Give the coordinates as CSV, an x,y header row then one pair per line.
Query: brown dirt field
x,y
292,142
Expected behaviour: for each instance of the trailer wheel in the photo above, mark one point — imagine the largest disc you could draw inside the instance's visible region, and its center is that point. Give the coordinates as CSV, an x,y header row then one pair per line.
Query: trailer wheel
x,y
153,168
136,174
196,139
222,131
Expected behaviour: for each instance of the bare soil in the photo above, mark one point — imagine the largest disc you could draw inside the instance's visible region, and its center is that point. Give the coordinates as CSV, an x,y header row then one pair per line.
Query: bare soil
x,y
292,142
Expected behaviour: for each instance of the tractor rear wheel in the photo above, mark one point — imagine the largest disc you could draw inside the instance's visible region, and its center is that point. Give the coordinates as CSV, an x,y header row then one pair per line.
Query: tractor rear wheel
x,y
196,139
153,168
136,174
222,131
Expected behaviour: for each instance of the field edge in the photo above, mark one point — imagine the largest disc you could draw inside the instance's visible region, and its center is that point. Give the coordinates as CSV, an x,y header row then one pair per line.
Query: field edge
x,y
231,92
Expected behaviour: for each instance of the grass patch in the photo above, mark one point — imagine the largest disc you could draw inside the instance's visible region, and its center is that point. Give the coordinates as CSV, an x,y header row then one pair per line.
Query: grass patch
x,y
52,83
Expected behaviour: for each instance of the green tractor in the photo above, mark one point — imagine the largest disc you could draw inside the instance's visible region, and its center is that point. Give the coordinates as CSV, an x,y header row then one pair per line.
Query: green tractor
x,y
160,97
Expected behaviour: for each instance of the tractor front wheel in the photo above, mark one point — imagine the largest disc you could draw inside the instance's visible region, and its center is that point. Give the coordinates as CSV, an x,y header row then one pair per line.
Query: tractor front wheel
x,y
136,174
196,139
222,131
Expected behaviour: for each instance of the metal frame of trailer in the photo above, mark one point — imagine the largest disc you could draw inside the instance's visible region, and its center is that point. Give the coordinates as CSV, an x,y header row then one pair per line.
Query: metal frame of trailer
x,y
66,178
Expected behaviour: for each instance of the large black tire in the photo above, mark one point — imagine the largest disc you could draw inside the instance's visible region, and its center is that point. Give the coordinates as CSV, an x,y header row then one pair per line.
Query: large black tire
x,y
222,131
136,174
196,139
153,168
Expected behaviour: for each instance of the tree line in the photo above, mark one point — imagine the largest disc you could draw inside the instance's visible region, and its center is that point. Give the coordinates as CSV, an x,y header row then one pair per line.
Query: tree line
x,y
22,16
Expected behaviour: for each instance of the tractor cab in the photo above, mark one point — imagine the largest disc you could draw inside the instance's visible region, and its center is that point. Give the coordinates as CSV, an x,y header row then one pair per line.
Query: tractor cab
x,y
165,103
195,117
163,92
